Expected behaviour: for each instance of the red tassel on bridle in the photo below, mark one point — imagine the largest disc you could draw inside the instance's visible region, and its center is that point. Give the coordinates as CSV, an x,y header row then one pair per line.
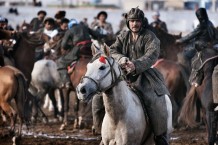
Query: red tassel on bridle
x,y
102,59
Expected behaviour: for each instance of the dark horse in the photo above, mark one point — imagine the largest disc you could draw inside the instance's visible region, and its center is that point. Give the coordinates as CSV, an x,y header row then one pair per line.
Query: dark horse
x,y
24,52
205,65
13,87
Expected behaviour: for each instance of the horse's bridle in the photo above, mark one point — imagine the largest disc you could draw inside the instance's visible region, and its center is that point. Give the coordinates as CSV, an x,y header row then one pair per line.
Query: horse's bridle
x,y
115,78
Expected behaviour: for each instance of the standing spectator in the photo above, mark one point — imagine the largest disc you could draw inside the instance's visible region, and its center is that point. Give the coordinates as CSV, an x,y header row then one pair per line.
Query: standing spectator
x,y
157,22
102,23
37,22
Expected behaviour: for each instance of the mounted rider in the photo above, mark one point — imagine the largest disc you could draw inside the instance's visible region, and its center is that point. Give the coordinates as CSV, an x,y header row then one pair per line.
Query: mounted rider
x,y
77,37
136,50
157,22
204,39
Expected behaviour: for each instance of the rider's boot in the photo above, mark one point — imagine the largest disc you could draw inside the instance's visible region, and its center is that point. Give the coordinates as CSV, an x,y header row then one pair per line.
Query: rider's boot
x,y
161,139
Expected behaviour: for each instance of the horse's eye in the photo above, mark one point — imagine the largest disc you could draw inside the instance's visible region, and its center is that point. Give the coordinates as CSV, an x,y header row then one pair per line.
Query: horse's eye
x,y
102,67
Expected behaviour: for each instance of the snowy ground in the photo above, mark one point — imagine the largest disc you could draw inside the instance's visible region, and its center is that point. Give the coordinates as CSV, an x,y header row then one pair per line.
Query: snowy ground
x,y
177,21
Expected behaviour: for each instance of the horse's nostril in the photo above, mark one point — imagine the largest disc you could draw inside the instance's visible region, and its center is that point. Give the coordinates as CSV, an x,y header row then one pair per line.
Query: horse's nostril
x,y
83,90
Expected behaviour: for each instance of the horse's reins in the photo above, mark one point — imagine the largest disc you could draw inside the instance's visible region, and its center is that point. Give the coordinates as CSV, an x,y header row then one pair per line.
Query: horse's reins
x,y
114,80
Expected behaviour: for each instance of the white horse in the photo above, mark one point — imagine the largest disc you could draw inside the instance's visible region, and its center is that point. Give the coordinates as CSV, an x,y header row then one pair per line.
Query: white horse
x,y
125,122
45,79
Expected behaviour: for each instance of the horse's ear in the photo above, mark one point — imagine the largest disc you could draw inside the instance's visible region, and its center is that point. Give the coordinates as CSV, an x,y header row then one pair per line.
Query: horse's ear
x,y
106,50
93,48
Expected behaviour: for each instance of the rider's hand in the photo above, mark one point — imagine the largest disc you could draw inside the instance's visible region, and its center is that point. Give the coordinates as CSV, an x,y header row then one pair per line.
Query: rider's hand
x,y
122,62
130,67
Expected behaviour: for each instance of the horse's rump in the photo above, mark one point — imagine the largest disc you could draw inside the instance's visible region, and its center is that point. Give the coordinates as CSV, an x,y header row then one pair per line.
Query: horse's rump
x,y
14,86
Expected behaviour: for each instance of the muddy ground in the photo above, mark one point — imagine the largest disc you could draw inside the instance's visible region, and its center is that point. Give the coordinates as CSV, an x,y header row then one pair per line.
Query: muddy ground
x,y
49,134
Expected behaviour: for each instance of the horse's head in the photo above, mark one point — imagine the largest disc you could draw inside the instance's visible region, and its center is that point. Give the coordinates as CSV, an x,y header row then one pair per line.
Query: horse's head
x,y
102,74
25,27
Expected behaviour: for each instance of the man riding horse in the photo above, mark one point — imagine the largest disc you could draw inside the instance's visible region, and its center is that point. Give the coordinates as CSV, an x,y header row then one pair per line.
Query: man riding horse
x,y
203,37
136,51
76,37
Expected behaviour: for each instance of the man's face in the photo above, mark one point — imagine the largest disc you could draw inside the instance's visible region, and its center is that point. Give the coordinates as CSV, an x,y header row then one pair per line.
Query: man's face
x,y
135,25
41,16
102,18
155,17
64,26
49,26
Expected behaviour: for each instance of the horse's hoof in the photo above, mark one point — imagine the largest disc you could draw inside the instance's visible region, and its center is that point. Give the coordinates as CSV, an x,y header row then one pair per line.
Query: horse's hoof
x,y
62,126
16,140
93,130
45,120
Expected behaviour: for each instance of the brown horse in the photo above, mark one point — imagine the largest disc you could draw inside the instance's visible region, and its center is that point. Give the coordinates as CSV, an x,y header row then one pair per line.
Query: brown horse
x,y
177,83
79,70
13,87
169,49
202,92
25,27
23,53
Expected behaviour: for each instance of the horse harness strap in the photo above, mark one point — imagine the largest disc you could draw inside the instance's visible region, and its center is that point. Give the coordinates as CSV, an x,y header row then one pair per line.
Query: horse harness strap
x,y
83,42
115,80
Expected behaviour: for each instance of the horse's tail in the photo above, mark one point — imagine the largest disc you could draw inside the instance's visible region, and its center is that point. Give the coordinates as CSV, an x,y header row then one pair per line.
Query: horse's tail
x,y
21,97
187,114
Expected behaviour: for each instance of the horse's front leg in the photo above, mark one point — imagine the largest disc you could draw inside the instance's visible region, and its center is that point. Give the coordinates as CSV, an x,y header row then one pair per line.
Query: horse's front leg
x,y
65,93
51,95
